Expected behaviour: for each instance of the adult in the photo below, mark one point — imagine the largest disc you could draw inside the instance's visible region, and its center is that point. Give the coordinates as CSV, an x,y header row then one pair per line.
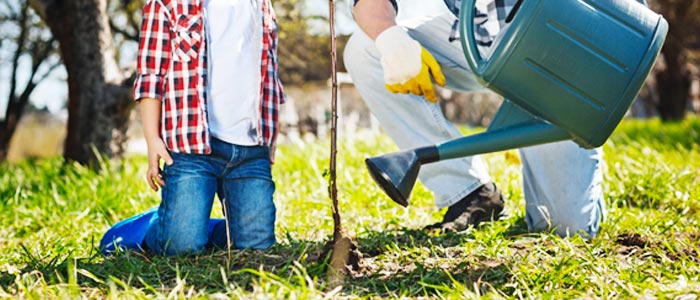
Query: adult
x,y
392,65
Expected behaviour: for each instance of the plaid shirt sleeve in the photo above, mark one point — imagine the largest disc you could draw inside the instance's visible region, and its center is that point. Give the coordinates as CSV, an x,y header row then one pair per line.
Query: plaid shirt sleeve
x,y
490,18
272,91
154,51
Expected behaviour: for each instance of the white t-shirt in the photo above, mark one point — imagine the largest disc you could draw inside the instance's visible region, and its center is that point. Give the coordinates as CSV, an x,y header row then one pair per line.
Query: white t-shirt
x,y
234,30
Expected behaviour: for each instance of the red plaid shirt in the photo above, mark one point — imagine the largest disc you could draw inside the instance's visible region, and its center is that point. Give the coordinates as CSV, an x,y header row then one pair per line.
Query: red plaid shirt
x,y
172,66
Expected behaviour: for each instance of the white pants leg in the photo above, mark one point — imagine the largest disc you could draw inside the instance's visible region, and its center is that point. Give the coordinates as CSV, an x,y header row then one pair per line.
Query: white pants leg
x,y
561,180
412,122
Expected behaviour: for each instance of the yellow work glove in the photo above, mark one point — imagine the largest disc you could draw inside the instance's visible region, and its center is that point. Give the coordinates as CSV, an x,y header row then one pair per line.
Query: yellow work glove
x,y
407,65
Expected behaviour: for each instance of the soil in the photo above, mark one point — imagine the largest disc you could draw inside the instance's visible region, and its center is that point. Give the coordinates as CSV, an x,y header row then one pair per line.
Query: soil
x,y
629,244
632,240
354,259
635,244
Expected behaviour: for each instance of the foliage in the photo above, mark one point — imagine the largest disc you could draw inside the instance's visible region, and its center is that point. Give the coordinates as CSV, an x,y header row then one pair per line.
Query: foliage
x,y
125,23
304,53
52,215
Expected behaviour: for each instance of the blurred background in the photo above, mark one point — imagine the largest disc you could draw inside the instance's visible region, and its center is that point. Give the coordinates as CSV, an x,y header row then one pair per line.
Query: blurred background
x,y
66,71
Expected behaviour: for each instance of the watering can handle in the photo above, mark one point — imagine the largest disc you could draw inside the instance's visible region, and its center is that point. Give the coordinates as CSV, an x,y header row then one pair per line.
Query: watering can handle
x,y
466,17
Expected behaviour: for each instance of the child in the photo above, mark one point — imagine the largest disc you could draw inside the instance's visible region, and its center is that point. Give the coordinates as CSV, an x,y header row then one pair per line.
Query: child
x,y
209,93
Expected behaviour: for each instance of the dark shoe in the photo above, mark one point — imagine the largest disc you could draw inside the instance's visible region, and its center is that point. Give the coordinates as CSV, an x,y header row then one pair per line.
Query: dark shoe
x,y
481,205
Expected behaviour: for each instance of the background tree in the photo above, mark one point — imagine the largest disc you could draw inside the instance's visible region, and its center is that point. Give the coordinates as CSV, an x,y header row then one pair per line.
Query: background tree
x,y
99,93
303,48
681,49
23,35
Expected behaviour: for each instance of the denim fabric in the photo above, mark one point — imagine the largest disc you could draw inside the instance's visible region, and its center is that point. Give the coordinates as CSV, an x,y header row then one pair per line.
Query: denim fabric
x,y
561,180
240,176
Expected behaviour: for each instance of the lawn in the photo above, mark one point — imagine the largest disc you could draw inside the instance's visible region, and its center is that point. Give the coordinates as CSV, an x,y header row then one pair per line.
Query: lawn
x,y
52,215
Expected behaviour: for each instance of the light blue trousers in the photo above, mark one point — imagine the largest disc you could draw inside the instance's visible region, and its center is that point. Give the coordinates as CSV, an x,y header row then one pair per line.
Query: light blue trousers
x,y
561,181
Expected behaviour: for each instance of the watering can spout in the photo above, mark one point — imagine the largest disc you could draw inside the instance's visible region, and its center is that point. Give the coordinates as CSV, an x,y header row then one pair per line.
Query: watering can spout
x,y
512,127
396,173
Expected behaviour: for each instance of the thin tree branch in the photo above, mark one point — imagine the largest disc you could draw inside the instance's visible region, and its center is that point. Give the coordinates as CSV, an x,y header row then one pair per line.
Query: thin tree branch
x,y
42,7
9,7
133,22
9,16
51,68
125,33
40,53
21,40
333,187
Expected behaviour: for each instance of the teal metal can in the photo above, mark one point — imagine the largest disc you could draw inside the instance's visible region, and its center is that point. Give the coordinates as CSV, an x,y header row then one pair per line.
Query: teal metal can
x,y
577,64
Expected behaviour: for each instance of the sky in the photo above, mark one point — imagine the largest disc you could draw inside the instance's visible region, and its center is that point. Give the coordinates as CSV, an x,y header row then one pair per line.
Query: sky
x,y
52,93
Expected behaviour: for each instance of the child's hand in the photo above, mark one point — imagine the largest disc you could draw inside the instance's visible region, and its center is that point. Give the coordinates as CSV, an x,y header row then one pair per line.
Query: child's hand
x,y
156,152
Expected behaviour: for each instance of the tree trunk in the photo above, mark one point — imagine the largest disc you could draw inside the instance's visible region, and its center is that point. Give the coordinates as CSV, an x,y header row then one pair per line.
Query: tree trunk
x,y
673,84
8,126
7,129
99,98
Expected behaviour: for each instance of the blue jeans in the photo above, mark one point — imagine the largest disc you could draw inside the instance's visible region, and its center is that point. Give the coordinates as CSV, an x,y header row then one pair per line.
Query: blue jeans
x,y
562,181
241,177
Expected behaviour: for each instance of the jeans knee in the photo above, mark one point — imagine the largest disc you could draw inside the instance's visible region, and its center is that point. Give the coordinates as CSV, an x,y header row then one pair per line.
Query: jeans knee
x,y
258,234
258,241
161,243
182,246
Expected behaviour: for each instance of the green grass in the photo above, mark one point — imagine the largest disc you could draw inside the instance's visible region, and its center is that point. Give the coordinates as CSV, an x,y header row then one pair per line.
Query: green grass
x,y
52,216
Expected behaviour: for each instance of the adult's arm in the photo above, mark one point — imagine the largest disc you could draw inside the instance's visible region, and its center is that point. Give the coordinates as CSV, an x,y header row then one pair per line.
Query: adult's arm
x,y
407,66
374,16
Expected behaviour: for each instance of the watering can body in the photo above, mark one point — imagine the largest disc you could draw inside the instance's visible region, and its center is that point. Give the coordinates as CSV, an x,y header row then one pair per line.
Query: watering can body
x,y
577,64
568,69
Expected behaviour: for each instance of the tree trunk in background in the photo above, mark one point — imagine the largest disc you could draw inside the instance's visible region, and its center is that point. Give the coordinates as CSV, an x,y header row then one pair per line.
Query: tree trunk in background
x,y
15,110
99,98
673,84
8,127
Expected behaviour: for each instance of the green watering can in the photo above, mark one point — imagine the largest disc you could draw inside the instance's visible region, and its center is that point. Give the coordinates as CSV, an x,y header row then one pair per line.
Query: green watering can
x,y
570,69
